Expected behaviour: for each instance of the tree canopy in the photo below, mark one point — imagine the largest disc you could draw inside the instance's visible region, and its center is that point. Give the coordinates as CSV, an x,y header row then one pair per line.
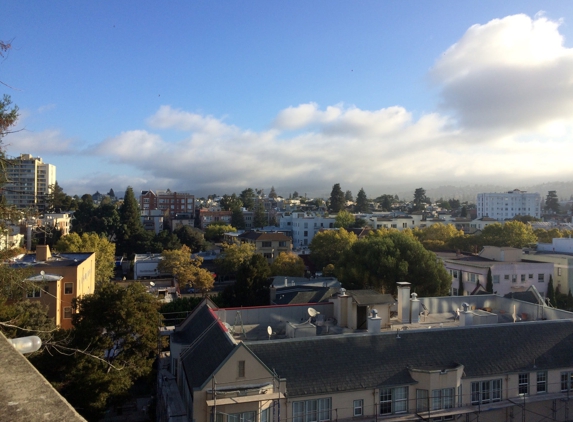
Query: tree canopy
x,y
215,231
552,202
247,197
186,270
229,261
337,201
328,246
361,202
252,285
419,199
344,219
288,264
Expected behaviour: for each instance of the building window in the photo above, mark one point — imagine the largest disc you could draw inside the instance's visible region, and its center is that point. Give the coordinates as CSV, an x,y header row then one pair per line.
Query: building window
x,y
268,255
67,313
566,381
311,410
241,369
486,391
472,278
558,271
393,400
241,417
523,384
358,405
530,276
282,244
68,288
496,279
33,292
421,400
443,399
455,273
541,278
514,278
523,278
541,382
265,415
266,244
506,277
305,233
404,225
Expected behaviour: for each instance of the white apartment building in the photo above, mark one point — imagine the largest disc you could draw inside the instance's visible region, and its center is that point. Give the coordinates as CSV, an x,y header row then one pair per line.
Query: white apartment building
x,y
504,206
29,182
304,225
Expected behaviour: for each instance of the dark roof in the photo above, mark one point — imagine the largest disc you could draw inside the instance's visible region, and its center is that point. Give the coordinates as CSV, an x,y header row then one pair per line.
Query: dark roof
x,y
252,235
302,294
57,260
208,353
354,362
526,296
370,297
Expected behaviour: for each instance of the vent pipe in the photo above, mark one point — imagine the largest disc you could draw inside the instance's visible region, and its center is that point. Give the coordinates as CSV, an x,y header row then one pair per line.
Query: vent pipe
x,y
374,322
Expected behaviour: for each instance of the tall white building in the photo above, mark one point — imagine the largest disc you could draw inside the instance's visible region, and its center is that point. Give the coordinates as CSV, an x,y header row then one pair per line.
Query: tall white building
x,y
29,182
504,206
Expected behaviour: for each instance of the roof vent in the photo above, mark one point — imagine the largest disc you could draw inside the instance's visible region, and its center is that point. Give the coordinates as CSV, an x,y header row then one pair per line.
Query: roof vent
x,y
465,306
374,313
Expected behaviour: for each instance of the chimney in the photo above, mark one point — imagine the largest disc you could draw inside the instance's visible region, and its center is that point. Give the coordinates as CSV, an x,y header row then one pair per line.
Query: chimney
x,y
414,308
374,323
341,308
43,253
404,302
466,316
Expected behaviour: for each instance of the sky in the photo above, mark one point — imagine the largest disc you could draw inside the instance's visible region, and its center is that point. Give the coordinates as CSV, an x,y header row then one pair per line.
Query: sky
x,y
212,97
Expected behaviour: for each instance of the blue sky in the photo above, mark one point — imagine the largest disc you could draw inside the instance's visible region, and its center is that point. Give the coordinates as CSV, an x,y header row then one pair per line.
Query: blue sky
x,y
217,96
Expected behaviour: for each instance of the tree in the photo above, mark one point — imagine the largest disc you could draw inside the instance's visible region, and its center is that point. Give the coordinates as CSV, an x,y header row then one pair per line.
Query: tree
x,y
214,232
419,199
191,237
361,202
259,219
231,202
92,242
8,115
130,236
328,246
238,219
552,202
295,195
460,284
337,201
288,264
252,285
385,202
438,237
512,233
247,197
489,282
229,261
57,200
386,257
547,236
164,240
551,292
273,193
464,212
348,196
344,219
186,270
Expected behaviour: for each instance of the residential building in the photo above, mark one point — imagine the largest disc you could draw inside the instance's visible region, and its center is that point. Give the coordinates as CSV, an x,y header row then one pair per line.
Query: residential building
x,y
475,366
60,279
560,253
511,271
61,221
30,181
171,203
268,244
505,206
304,225
208,216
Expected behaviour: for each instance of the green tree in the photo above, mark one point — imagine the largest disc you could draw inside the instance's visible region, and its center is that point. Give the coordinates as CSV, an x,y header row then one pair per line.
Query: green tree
x,y
385,202
131,236
386,257
348,196
273,193
512,233
337,201
288,264
231,202
214,232
551,292
344,219
419,199
238,219
229,261
328,246
547,236
191,237
489,282
464,212
438,237
552,202
165,240
259,219
361,202
460,284
247,197
104,252
252,285
57,199
186,270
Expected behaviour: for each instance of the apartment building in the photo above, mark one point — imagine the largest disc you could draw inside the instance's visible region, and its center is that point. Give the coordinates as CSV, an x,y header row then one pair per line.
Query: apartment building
x,y
171,203
478,366
60,278
268,244
304,225
29,182
505,206
208,216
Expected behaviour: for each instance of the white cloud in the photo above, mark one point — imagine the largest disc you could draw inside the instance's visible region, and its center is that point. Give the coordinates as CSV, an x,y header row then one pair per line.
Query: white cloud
x,y
49,141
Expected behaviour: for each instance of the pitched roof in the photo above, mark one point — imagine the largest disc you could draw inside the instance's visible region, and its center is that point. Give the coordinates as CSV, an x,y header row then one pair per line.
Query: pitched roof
x,y
352,362
302,294
370,297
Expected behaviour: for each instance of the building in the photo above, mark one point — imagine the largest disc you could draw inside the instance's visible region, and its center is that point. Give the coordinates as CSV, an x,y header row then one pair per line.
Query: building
x,y
511,271
208,216
480,365
268,244
171,203
304,225
505,206
60,279
29,183
560,253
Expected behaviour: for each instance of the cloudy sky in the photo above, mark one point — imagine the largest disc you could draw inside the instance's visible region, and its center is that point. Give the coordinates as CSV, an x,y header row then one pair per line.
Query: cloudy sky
x,y
216,96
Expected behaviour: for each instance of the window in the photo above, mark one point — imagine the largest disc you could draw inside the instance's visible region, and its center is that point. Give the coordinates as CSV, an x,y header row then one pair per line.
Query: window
x,y
68,288
455,274
241,417
358,405
394,226
486,391
33,292
558,271
282,244
443,399
67,313
421,400
506,277
496,279
266,244
472,278
523,384
530,276
514,278
541,382
305,233
393,400
404,225
311,410
541,278
241,369
523,278
268,255
566,381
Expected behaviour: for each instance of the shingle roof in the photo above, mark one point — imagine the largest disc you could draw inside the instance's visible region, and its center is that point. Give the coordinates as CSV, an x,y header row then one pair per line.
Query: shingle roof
x,y
325,365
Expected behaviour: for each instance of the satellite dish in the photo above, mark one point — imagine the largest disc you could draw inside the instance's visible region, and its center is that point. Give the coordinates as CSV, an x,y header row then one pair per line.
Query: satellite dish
x,y
269,330
152,284
42,272
313,312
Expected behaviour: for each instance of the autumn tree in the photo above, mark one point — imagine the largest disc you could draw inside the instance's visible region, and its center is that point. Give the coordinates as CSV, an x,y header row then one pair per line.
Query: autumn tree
x,y
288,264
214,232
361,202
344,219
438,237
327,246
185,269
232,256
104,252
337,201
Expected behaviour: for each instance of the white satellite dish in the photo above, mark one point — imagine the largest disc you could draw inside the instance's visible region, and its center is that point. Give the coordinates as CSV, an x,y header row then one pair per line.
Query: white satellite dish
x,y
152,284
269,330
42,272
313,312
